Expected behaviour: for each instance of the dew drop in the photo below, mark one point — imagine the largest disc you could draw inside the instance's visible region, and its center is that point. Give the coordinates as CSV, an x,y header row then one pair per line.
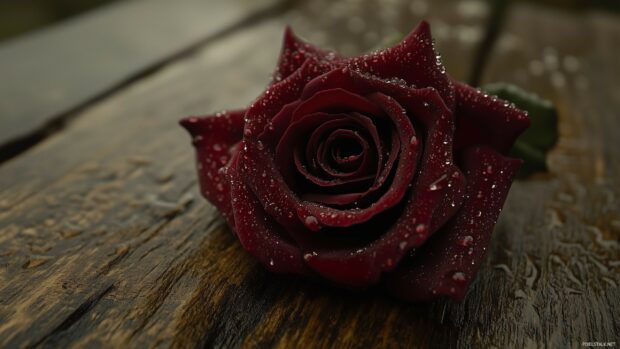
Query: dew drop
x,y
420,228
436,184
402,245
466,241
312,223
458,277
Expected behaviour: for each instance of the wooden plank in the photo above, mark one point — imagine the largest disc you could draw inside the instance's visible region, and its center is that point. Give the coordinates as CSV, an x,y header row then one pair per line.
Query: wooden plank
x,y
50,73
105,241
553,273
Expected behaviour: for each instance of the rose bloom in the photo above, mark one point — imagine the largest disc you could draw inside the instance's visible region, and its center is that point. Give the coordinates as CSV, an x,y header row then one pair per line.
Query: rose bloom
x,y
364,170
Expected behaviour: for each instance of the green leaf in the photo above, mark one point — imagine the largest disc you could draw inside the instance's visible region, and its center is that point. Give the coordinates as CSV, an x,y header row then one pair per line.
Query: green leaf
x,y
532,146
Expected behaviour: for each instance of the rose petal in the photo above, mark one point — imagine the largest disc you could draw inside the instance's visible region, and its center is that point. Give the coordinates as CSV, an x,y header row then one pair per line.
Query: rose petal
x,y
448,262
485,120
335,100
413,60
258,233
415,100
215,138
295,52
334,162
277,96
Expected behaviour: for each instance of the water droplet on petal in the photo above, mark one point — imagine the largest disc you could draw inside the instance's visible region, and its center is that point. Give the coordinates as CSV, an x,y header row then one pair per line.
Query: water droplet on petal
x,y
420,228
312,223
402,245
458,277
466,241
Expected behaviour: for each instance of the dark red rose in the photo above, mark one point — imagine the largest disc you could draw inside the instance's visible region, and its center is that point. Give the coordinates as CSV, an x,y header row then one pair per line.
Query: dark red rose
x,y
378,167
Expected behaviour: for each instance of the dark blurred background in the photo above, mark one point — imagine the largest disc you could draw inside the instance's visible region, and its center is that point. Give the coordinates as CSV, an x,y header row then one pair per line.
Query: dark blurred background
x,y
21,16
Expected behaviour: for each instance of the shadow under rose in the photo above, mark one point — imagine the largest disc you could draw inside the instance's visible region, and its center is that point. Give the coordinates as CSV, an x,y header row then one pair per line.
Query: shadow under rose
x,y
236,301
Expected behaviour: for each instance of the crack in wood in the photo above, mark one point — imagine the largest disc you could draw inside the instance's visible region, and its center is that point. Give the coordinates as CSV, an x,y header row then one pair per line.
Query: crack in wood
x,y
76,315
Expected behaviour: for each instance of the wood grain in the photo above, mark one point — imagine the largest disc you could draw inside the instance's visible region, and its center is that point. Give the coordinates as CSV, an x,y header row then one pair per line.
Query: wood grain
x,y
105,240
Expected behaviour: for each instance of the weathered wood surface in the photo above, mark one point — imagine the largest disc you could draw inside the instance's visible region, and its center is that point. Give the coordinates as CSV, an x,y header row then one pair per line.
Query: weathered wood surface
x,y
105,241
50,73
552,274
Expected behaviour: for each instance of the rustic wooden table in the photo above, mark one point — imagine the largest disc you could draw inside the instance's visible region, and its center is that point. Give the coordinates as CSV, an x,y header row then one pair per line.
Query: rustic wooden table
x,y
105,240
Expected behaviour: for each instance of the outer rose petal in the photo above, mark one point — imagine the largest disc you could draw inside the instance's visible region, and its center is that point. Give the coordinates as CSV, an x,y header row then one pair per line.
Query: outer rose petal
x,y
481,119
215,138
295,52
277,96
414,60
258,233
448,262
